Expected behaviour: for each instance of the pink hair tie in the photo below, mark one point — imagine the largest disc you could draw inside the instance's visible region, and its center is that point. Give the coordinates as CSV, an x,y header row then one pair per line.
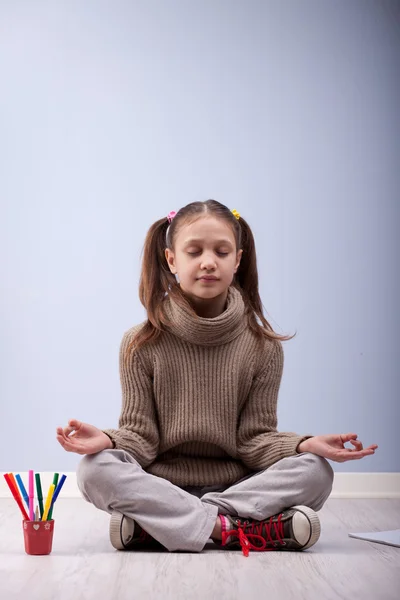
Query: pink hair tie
x,y
171,216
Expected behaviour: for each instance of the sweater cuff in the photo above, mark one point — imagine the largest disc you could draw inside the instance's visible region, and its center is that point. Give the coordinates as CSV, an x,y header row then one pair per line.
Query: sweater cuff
x,y
109,434
302,439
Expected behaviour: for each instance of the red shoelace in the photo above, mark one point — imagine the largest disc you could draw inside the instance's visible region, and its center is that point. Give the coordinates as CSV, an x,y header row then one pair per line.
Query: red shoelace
x,y
254,531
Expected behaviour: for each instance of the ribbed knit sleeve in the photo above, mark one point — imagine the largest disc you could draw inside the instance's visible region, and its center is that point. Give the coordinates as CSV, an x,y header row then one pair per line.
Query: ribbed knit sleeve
x,y
259,444
138,432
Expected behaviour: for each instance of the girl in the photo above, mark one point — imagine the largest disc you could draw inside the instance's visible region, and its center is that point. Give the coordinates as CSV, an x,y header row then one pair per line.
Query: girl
x,y
197,453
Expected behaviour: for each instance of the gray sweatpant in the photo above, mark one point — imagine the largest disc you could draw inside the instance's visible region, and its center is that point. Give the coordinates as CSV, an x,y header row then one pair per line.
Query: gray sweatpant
x,y
183,518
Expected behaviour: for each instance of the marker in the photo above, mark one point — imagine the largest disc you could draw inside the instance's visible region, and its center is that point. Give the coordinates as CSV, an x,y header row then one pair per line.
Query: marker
x,y
31,494
63,478
22,488
39,493
15,493
48,502
55,481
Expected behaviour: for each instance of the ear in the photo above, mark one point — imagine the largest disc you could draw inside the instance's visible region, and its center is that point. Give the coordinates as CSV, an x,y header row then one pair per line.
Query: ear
x,y
238,259
170,258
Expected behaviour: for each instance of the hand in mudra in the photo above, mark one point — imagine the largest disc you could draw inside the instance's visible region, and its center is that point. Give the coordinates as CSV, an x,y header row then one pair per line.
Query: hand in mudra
x,y
332,446
82,438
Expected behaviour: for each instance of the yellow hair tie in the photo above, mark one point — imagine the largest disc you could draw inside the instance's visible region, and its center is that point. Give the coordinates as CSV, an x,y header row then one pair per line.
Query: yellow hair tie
x,y
236,214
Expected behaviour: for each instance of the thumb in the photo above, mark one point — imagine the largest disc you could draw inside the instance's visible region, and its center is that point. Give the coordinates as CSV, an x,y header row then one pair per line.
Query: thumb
x,y
74,423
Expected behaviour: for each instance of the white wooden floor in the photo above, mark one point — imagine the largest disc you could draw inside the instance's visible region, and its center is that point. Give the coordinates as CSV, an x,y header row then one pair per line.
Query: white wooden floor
x,y
84,565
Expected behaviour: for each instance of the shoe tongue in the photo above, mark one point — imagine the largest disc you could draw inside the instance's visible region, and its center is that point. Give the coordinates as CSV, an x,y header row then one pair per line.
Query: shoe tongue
x,y
269,528
139,532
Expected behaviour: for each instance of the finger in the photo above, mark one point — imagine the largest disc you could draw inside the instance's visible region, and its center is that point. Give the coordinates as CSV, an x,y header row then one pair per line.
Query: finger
x,y
354,454
346,437
372,447
70,447
64,437
357,444
60,431
66,445
64,434
68,431
75,425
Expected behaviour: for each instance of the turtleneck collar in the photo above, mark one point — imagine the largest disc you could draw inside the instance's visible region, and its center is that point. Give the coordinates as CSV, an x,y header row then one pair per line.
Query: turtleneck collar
x,y
208,332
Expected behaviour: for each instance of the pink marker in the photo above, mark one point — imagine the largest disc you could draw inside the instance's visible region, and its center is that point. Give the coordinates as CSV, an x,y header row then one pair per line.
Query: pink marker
x,y
31,496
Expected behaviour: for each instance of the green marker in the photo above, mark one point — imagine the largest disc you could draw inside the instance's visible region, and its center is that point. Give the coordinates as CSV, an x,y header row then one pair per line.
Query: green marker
x,y
55,481
39,493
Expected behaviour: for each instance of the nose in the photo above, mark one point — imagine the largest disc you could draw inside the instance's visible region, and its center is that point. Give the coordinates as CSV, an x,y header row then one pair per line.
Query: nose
x,y
208,262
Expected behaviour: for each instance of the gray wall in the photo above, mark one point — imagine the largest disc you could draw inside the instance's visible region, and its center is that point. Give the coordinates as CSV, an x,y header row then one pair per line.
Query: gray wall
x,y
114,113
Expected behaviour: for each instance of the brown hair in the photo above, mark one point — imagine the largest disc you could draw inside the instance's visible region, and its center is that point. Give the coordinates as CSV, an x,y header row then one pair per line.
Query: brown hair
x,y
156,279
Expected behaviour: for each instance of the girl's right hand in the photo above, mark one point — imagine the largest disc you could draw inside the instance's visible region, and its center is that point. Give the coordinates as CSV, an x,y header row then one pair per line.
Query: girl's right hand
x,y
85,439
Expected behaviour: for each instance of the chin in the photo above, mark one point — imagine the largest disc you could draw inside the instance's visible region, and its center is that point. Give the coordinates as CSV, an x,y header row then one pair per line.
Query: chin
x,y
212,291
199,291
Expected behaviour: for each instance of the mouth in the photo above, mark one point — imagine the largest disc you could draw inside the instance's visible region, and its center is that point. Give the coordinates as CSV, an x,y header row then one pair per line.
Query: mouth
x,y
208,279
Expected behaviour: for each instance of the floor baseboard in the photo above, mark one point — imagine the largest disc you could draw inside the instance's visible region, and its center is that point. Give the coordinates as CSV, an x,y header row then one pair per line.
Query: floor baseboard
x,y
366,485
346,485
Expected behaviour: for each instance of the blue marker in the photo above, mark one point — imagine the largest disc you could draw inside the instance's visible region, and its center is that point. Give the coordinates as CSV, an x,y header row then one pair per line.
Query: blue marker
x,y
57,491
22,488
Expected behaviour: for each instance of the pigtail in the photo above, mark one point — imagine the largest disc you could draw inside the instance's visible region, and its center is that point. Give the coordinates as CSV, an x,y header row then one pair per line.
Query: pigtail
x,y
247,282
155,277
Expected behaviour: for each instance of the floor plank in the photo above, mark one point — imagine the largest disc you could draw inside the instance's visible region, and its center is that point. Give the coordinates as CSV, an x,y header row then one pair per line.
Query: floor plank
x,y
83,564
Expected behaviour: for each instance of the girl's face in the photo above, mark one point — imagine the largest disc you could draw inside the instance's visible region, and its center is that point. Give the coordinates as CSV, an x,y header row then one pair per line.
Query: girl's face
x,y
205,248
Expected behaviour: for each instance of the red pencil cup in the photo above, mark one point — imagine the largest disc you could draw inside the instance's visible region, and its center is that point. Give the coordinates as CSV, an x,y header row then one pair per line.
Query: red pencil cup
x,y
38,536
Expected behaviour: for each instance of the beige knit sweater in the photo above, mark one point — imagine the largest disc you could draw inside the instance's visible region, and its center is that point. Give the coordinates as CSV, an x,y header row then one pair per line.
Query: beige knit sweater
x,y
199,406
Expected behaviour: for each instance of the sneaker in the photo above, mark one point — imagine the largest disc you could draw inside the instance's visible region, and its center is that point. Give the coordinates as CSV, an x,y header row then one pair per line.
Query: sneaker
x,y
126,534
297,528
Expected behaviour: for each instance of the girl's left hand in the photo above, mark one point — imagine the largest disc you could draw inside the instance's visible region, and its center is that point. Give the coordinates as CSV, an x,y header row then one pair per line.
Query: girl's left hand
x,y
332,447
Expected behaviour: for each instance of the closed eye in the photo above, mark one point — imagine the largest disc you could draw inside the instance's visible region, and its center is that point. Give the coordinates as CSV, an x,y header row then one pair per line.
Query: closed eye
x,y
199,252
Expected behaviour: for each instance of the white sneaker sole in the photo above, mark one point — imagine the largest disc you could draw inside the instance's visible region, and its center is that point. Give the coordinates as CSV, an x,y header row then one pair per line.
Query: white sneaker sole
x,y
116,530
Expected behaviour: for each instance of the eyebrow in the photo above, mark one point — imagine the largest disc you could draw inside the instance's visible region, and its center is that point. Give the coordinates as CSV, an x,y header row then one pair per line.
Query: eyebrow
x,y
197,240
